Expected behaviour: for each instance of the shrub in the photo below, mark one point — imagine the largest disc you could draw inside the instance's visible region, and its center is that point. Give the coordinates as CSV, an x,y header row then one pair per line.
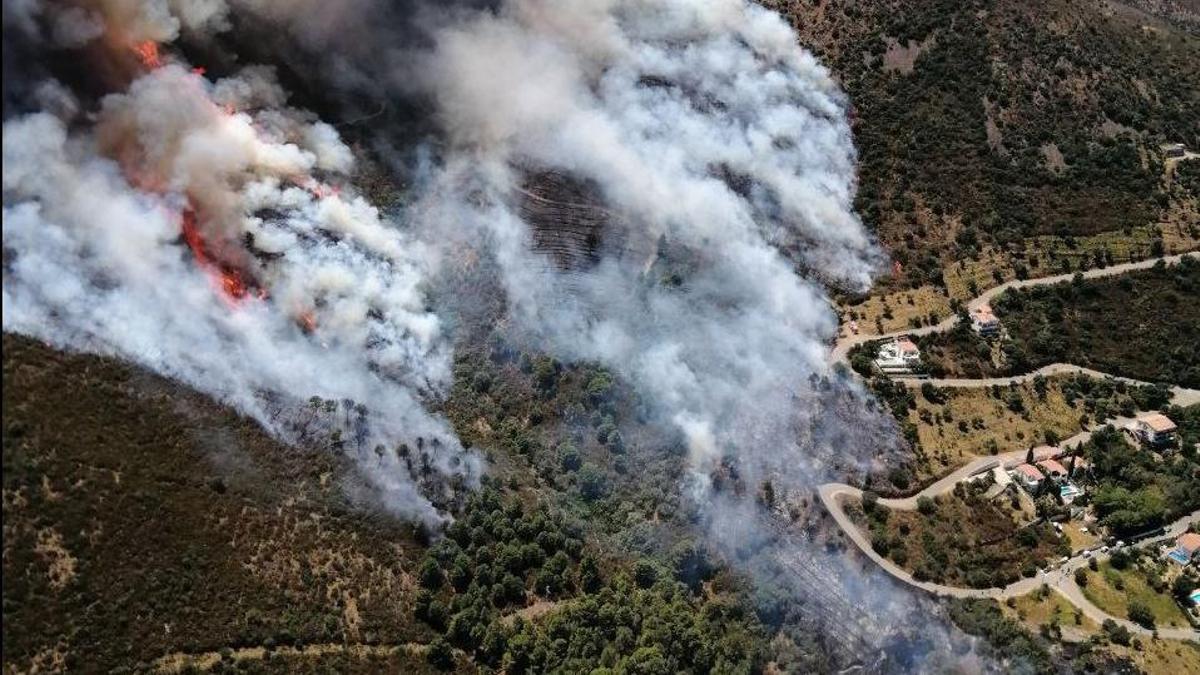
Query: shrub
x,y
869,501
1117,633
1140,614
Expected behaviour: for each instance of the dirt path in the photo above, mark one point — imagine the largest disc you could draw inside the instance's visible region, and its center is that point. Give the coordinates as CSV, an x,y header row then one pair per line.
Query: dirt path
x,y
1180,396
848,342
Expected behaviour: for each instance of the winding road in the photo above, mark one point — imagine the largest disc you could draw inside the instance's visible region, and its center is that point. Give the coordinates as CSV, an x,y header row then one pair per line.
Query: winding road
x,y
1062,578
848,342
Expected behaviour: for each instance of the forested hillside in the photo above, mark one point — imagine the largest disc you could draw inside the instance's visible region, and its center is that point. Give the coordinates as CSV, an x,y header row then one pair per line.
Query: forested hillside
x,y
982,123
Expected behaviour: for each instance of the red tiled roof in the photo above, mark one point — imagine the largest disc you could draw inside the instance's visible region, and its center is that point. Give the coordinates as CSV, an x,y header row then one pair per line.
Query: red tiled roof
x,y
1045,452
984,314
1053,467
1189,542
1030,471
1157,422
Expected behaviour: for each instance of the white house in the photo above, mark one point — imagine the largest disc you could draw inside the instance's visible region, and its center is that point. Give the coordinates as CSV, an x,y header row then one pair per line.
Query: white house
x,y
1155,430
898,356
984,321
1029,476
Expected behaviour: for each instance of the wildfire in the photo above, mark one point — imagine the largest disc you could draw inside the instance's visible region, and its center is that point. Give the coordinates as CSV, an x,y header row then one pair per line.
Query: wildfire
x,y
307,321
228,279
316,188
147,53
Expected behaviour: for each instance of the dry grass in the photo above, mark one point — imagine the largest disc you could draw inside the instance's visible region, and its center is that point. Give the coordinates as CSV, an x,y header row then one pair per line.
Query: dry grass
x,y
972,423
1079,540
902,58
966,541
1156,657
1102,590
332,657
896,311
1163,657
1044,255
1038,608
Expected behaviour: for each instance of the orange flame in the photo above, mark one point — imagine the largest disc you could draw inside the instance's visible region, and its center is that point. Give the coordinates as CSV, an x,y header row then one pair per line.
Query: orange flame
x,y
307,321
228,279
147,53
315,187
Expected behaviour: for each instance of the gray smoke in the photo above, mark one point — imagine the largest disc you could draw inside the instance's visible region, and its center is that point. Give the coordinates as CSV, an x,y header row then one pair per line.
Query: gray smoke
x,y
327,301
649,101
715,152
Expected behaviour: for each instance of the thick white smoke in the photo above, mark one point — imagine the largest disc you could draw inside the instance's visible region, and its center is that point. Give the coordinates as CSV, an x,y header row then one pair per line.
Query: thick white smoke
x,y
652,101
186,230
192,226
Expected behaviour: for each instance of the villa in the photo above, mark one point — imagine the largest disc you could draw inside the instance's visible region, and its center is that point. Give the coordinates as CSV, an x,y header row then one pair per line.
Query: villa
x,y
1029,476
1154,430
1187,548
1053,469
984,321
898,356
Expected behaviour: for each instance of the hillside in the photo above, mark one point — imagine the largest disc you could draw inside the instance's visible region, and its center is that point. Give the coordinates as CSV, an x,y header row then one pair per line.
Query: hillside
x,y
646,391
982,124
142,519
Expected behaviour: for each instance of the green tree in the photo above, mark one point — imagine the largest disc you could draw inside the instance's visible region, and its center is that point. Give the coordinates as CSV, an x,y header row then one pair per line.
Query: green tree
x,y
440,655
1141,614
568,457
429,574
592,482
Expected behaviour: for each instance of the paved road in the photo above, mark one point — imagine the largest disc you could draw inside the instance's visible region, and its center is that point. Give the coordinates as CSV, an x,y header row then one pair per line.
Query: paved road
x,y
1181,396
980,464
1062,579
846,343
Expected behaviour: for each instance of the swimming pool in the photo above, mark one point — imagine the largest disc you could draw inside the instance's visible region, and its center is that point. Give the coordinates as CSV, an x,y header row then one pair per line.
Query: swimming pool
x,y
1178,557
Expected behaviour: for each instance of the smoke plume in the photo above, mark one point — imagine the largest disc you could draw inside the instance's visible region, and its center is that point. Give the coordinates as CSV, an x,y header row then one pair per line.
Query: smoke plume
x,y
188,229
663,187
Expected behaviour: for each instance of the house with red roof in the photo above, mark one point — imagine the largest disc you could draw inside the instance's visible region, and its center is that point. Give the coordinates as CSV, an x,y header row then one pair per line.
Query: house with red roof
x,y
1053,469
1187,548
984,321
1029,476
1154,430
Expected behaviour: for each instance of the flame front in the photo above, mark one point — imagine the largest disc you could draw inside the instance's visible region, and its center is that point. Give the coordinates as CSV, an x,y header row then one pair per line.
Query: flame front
x,y
231,282
147,53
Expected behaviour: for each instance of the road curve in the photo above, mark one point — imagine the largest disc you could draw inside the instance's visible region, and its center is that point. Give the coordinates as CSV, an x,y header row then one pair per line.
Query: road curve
x,y
848,342
1061,580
